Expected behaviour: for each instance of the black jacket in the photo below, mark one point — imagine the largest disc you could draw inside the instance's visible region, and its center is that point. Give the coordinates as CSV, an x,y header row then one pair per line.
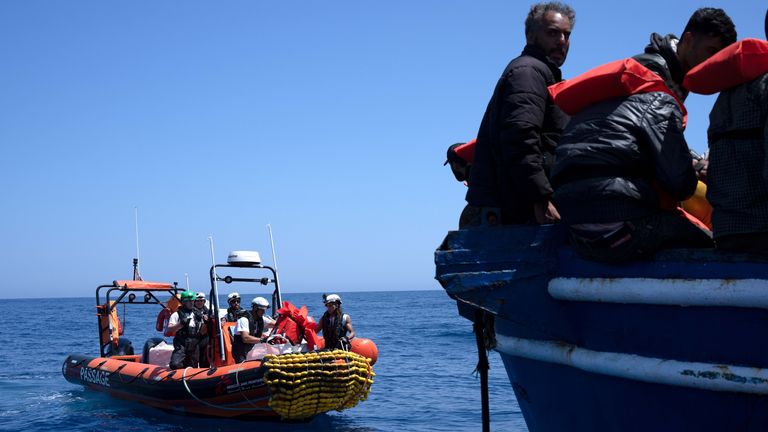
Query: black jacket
x,y
615,155
517,139
737,178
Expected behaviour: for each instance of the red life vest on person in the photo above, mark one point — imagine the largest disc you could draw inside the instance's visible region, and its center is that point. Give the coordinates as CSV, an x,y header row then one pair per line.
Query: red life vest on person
x,y
620,78
735,64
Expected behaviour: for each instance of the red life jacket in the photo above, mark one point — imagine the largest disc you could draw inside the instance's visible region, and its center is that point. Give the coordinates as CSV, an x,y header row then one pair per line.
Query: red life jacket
x,y
735,64
291,322
620,78
616,79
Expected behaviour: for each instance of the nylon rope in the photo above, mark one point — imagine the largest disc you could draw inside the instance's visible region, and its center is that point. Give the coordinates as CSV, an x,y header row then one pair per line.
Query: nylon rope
x,y
226,408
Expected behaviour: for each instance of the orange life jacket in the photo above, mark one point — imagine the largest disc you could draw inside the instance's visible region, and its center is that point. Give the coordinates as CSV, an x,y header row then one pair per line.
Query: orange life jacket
x,y
735,64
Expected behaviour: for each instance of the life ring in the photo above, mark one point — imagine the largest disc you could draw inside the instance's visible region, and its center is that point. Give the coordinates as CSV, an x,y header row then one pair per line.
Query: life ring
x,y
162,319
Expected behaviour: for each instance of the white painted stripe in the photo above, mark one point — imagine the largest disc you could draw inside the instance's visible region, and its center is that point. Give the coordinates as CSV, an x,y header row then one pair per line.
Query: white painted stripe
x,y
748,293
705,376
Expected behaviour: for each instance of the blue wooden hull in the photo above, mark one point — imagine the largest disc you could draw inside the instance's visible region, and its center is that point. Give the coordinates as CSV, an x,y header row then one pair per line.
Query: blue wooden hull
x,y
676,343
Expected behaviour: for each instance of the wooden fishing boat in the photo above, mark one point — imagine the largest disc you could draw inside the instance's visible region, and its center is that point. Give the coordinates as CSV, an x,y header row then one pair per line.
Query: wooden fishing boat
x,y
665,344
289,382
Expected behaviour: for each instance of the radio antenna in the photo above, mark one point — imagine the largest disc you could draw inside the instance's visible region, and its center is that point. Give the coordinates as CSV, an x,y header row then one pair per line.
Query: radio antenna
x,y
136,271
215,283
274,261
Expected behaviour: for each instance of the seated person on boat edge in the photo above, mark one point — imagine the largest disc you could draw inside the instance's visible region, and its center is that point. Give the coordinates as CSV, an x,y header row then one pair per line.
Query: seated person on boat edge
x,y
509,180
250,329
185,324
618,190
738,140
336,325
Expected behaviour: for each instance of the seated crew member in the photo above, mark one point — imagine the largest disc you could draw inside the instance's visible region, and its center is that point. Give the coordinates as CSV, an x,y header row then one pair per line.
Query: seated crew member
x,y
185,324
202,337
250,329
620,159
335,325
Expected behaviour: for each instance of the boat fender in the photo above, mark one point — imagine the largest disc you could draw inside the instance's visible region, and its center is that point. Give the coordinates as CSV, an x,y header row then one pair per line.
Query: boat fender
x,y
124,347
162,319
366,348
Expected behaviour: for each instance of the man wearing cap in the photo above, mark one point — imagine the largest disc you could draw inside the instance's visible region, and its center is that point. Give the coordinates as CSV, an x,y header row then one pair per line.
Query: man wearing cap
x,y
185,325
250,329
336,326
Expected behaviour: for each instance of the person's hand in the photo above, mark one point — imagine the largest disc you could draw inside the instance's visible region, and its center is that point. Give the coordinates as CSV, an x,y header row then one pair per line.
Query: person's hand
x,y
545,213
700,166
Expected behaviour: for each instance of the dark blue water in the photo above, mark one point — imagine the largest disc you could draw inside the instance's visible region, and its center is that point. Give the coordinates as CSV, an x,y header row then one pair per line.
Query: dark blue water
x,y
424,379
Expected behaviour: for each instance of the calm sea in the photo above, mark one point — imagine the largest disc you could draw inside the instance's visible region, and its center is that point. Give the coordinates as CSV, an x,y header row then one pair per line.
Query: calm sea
x,y
424,376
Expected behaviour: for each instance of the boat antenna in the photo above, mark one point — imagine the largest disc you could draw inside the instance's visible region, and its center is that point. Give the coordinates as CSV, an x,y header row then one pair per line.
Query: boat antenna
x,y
136,272
186,276
215,283
274,261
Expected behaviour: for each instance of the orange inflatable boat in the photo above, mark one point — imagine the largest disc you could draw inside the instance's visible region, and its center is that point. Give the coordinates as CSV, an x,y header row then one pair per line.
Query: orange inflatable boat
x,y
275,381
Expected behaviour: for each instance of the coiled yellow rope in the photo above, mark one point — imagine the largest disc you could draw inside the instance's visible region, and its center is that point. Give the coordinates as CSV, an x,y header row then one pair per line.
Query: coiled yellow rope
x,y
307,384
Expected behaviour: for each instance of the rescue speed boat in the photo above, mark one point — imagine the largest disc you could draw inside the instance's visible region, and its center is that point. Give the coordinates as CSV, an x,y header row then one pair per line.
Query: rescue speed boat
x,y
279,379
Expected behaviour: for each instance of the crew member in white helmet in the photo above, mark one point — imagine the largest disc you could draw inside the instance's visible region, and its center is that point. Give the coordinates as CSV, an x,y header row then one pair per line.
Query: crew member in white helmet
x,y
250,329
335,325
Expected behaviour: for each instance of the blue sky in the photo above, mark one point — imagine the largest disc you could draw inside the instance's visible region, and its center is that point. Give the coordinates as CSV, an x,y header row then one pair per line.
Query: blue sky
x,y
328,120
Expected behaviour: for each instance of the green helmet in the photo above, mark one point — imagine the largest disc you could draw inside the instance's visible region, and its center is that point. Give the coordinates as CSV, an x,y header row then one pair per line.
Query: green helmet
x,y
188,295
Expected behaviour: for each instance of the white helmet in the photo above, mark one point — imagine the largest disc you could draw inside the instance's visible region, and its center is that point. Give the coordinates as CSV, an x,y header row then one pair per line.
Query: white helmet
x,y
332,298
200,296
233,295
260,302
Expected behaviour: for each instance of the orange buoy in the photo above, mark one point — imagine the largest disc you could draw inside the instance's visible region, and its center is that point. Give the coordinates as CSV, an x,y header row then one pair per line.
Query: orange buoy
x,y
365,347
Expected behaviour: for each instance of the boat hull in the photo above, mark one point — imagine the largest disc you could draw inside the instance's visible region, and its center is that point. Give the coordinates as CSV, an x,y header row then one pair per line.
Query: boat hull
x,y
230,391
670,344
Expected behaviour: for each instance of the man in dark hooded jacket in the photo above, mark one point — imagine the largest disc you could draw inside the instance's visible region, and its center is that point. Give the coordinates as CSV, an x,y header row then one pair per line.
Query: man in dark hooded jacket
x,y
519,131
737,184
623,163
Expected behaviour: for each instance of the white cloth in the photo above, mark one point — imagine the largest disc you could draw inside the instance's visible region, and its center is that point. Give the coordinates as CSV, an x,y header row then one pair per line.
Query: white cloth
x,y
242,325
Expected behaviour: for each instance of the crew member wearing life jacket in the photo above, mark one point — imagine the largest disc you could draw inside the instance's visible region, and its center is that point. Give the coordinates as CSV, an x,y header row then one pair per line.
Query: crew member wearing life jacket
x,y
336,326
234,311
622,163
203,337
250,329
738,133
185,323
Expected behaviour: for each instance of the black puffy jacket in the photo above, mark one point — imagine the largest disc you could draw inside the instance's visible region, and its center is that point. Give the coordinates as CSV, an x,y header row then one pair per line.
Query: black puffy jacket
x,y
615,155
517,139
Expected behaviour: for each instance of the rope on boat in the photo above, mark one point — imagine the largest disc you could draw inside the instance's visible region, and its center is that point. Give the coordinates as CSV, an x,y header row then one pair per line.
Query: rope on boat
x,y
242,391
306,384
222,407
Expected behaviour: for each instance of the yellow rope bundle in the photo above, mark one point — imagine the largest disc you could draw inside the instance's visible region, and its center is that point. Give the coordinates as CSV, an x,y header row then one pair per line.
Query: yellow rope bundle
x,y
306,384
